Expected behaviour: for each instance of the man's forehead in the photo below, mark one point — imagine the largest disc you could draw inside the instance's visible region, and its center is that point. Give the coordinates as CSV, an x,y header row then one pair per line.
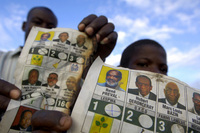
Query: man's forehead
x,y
71,79
172,86
113,72
52,75
143,78
42,13
197,96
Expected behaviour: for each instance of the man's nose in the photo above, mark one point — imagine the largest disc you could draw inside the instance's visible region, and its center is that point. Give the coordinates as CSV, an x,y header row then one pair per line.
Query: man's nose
x,y
155,69
44,25
172,93
143,86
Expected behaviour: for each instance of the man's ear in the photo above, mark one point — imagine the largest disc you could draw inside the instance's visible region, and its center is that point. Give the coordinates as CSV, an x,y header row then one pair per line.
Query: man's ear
x,y
151,88
136,84
24,26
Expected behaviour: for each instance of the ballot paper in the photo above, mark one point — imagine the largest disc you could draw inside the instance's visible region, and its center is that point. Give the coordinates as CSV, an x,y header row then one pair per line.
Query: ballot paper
x,y
120,100
48,73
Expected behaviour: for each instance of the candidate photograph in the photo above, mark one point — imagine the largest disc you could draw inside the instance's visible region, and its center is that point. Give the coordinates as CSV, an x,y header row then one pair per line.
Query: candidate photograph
x,y
144,88
172,95
113,78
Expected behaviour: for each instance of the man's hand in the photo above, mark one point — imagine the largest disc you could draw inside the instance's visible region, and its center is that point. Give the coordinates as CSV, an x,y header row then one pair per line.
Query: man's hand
x,y
45,121
100,28
7,91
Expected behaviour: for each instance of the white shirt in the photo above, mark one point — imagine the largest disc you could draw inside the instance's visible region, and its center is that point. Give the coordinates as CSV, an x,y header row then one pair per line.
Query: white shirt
x,y
147,96
8,62
170,104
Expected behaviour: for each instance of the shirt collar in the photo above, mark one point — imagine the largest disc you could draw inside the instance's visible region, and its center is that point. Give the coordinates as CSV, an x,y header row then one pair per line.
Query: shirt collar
x,y
172,105
147,96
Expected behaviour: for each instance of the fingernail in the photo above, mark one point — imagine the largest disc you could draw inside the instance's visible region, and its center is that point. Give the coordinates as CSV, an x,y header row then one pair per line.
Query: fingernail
x,y
63,120
98,37
104,41
89,30
15,94
81,26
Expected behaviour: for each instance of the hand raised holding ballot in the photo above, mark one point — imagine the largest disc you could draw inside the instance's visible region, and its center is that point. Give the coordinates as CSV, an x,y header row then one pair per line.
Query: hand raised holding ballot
x,y
93,26
7,91
100,28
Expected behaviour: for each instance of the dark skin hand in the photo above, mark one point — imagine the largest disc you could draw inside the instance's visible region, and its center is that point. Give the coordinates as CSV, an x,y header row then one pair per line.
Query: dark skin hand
x,y
103,31
93,26
7,91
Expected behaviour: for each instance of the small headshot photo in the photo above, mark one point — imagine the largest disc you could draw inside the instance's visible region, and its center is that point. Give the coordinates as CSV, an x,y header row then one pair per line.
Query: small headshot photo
x,y
113,78
196,103
44,37
144,87
71,90
80,41
33,76
24,123
52,79
172,95
63,38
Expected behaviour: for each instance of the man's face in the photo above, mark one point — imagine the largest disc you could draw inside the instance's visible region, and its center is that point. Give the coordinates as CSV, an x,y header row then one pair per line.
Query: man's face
x,y
144,86
52,80
33,77
63,37
112,78
39,17
172,93
71,83
26,120
44,37
196,100
80,40
149,58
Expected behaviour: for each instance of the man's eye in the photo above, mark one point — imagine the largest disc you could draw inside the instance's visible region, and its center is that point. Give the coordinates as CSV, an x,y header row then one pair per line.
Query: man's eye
x,y
143,64
37,22
50,26
164,70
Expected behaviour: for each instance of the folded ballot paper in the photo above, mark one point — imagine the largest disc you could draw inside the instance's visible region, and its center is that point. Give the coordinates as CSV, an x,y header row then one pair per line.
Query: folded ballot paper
x,y
111,100
120,100
48,73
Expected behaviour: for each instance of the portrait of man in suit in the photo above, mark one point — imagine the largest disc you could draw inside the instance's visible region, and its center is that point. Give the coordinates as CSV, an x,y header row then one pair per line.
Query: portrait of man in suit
x,y
196,101
144,87
52,79
24,122
113,78
80,41
33,76
63,38
71,90
172,95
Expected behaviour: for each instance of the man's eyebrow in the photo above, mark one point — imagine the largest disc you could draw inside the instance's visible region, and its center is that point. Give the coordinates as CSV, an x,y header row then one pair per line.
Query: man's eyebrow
x,y
40,19
37,18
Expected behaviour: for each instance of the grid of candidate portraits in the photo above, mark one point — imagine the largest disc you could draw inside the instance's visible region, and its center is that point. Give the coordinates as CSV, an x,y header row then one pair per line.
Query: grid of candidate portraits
x,y
124,100
53,69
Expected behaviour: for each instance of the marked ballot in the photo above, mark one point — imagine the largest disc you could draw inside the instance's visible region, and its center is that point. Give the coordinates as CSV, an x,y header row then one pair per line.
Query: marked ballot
x,y
48,73
120,100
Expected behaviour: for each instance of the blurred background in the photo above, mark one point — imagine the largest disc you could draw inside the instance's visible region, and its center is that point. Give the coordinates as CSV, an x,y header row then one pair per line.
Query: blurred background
x,y
174,24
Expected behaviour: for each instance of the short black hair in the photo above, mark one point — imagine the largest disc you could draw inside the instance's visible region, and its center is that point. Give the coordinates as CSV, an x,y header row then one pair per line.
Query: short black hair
x,y
40,7
128,52
22,114
53,73
46,33
63,33
195,93
143,76
119,74
32,71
